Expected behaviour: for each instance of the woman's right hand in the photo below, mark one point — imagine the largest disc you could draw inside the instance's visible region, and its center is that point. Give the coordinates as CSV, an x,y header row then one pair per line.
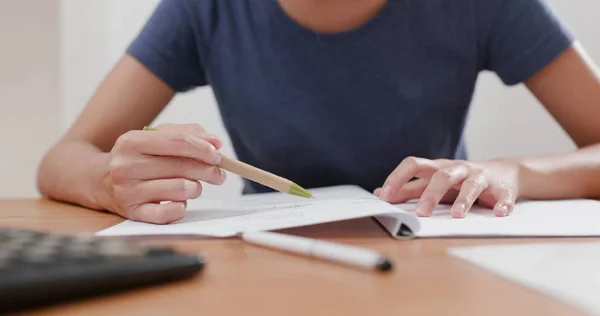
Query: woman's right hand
x,y
147,168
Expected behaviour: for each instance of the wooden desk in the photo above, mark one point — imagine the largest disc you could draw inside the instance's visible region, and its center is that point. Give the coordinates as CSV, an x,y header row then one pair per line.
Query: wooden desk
x,y
241,279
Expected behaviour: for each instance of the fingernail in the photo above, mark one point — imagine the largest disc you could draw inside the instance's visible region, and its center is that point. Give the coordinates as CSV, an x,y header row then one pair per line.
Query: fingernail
x,y
190,187
376,192
216,156
458,210
207,135
223,177
423,208
503,209
385,192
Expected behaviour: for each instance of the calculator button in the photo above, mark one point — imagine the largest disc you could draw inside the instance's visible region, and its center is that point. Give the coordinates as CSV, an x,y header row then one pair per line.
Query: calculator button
x,y
5,258
20,233
36,257
22,238
50,243
118,249
13,245
156,252
78,251
52,240
85,239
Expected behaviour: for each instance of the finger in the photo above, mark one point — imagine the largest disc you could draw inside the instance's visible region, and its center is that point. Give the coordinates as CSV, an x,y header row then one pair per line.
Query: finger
x,y
179,127
160,167
202,133
409,168
409,191
165,190
470,190
161,143
506,201
441,182
195,129
414,189
157,213
190,128
213,139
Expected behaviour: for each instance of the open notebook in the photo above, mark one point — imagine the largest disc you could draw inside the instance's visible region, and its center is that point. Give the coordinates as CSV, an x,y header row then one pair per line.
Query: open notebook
x,y
272,211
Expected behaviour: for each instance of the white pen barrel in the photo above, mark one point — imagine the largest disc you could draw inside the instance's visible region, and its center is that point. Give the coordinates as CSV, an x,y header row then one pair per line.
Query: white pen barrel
x,y
345,254
325,250
279,241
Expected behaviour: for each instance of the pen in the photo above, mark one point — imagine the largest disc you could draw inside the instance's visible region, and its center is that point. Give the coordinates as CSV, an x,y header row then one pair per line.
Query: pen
x,y
258,175
344,254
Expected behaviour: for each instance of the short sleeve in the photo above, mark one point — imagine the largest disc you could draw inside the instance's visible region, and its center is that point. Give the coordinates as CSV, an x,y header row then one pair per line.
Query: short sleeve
x,y
167,45
523,36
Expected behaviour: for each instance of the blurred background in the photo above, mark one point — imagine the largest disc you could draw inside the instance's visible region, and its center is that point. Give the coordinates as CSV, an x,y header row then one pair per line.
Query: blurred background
x,y
53,53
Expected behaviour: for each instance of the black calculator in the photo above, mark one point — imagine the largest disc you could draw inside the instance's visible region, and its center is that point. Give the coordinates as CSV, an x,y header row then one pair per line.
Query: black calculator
x,y
41,268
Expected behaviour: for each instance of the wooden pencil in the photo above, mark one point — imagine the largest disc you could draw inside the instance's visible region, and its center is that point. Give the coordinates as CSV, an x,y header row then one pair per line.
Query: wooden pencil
x,y
258,175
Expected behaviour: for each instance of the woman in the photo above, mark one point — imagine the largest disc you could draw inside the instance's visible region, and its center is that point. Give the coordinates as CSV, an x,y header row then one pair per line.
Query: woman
x,y
372,92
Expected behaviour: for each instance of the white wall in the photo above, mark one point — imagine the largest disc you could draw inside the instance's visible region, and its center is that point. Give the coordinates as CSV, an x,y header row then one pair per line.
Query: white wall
x,y
83,53
29,90
495,106
95,34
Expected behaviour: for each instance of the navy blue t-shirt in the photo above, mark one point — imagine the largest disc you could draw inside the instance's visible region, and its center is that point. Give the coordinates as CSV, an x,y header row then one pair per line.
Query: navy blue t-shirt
x,y
347,107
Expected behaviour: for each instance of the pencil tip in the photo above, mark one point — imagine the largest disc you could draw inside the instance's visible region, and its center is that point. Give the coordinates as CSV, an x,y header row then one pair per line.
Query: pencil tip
x,y
299,191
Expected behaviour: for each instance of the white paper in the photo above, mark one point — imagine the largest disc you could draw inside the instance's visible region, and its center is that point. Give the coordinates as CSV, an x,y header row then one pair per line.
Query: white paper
x,y
565,271
563,218
271,211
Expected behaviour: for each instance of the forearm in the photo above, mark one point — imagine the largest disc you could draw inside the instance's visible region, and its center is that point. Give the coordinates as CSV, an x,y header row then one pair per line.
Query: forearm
x,y
74,172
561,176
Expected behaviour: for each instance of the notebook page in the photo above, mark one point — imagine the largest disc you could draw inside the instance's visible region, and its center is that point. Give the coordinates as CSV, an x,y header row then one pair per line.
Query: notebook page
x,y
564,271
270,211
563,218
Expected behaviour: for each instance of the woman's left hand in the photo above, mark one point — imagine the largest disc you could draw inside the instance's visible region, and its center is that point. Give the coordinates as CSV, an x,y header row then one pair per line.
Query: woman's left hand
x,y
493,184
